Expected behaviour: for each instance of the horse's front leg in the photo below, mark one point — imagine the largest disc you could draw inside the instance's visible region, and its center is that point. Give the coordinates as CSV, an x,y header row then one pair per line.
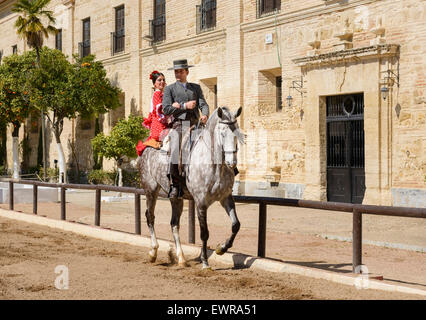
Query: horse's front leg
x,y
177,207
151,200
229,205
204,234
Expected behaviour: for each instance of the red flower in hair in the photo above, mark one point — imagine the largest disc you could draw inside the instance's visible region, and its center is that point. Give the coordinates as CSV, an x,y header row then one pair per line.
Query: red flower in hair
x,y
152,74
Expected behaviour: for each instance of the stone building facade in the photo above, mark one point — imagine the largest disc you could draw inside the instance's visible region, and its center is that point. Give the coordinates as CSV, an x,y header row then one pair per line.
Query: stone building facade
x,y
333,92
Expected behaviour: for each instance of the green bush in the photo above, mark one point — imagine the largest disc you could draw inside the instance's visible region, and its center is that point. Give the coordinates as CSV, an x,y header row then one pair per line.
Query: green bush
x,y
101,177
51,174
74,177
130,178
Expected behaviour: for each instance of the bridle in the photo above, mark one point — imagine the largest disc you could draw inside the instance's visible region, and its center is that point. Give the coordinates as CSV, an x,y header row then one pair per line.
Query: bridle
x,y
200,137
230,124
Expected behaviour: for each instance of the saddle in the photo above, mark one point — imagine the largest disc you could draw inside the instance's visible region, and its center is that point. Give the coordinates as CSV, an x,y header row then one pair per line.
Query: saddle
x,y
153,143
188,140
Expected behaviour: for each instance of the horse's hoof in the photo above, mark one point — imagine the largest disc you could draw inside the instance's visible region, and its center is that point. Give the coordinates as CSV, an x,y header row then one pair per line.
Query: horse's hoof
x,y
207,268
172,257
152,259
183,264
219,250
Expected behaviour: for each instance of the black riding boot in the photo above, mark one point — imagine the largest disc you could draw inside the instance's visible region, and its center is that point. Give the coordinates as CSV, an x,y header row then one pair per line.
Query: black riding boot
x,y
175,191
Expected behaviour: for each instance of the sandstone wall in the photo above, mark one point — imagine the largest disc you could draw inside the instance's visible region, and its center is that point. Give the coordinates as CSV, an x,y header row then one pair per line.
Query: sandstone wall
x,y
331,47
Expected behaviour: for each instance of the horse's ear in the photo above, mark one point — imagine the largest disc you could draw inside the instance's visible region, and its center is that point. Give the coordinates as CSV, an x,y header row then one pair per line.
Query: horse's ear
x,y
238,113
219,112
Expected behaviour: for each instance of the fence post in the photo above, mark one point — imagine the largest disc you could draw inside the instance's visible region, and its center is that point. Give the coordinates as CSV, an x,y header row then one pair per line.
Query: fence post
x,y
138,213
63,199
356,239
35,196
261,244
191,221
98,208
11,195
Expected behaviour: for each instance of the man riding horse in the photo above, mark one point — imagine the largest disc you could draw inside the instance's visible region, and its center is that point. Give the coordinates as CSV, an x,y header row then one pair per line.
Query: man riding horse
x,y
190,98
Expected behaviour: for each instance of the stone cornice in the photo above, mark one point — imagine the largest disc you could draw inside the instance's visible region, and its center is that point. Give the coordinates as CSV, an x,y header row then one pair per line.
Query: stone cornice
x,y
6,4
287,17
195,40
68,3
116,59
2,1
348,55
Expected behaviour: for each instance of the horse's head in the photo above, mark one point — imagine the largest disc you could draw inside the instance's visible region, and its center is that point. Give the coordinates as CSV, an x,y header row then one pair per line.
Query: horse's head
x,y
228,135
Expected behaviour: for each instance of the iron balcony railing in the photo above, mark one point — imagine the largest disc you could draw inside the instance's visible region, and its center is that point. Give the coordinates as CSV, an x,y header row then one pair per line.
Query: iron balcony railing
x,y
117,42
206,16
84,48
157,29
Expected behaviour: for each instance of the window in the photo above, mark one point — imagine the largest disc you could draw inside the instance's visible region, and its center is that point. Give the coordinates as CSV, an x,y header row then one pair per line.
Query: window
x,y
265,7
269,94
58,40
279,81
15,49
206,15
118,35
84,46
209,87
158,24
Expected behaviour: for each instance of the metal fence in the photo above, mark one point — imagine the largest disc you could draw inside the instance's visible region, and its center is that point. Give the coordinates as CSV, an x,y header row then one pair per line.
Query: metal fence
x,y
357,211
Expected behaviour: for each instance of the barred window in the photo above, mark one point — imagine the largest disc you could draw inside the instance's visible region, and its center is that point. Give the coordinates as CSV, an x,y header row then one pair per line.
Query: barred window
x,y
158,24
279,81
58,40
267,6
118,35
206,15
84,46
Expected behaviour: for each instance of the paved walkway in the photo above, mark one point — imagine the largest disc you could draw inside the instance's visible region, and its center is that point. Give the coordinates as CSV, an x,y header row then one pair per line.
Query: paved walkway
x,y
299,236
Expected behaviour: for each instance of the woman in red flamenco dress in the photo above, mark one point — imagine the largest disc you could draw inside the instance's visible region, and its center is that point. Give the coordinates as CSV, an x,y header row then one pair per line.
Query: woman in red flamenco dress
x,y
157,122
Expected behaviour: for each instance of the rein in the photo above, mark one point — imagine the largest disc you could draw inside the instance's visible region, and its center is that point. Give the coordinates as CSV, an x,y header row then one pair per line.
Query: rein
x,y
231,124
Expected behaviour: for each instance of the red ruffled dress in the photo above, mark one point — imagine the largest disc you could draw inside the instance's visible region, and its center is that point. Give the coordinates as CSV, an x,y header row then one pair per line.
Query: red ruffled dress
x,y
156,121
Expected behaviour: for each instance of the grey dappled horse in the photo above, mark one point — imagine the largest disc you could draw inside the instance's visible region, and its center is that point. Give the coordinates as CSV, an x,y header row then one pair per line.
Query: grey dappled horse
x,y
209,177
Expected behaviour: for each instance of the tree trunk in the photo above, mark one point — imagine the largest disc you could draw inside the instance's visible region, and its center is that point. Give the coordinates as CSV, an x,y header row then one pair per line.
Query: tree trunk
x,y
43,127
15,152
3,149
120,177
61,161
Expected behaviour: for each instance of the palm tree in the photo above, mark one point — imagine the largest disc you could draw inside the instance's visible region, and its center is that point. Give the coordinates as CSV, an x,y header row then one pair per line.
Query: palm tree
x,y
31,28
29,24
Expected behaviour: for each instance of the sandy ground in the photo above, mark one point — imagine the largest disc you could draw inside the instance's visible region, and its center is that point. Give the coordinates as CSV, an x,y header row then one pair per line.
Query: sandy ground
x,y
295,235
99,269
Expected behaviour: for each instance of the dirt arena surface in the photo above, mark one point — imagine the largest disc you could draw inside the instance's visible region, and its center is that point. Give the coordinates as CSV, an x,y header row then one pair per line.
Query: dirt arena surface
x,y
99,269
294,235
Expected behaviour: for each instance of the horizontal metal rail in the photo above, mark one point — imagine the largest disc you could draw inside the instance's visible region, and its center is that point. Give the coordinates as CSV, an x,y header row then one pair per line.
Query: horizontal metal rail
x,y
357,210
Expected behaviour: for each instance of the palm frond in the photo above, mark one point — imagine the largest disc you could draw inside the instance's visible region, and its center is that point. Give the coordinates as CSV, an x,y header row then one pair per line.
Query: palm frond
x,y
29,24
22,6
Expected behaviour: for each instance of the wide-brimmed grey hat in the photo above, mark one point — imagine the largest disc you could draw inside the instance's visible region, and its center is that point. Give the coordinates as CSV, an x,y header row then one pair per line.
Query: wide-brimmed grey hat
x,y
180,64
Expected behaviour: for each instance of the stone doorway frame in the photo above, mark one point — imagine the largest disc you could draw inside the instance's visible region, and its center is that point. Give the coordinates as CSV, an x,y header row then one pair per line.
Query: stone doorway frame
x,y
347,72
